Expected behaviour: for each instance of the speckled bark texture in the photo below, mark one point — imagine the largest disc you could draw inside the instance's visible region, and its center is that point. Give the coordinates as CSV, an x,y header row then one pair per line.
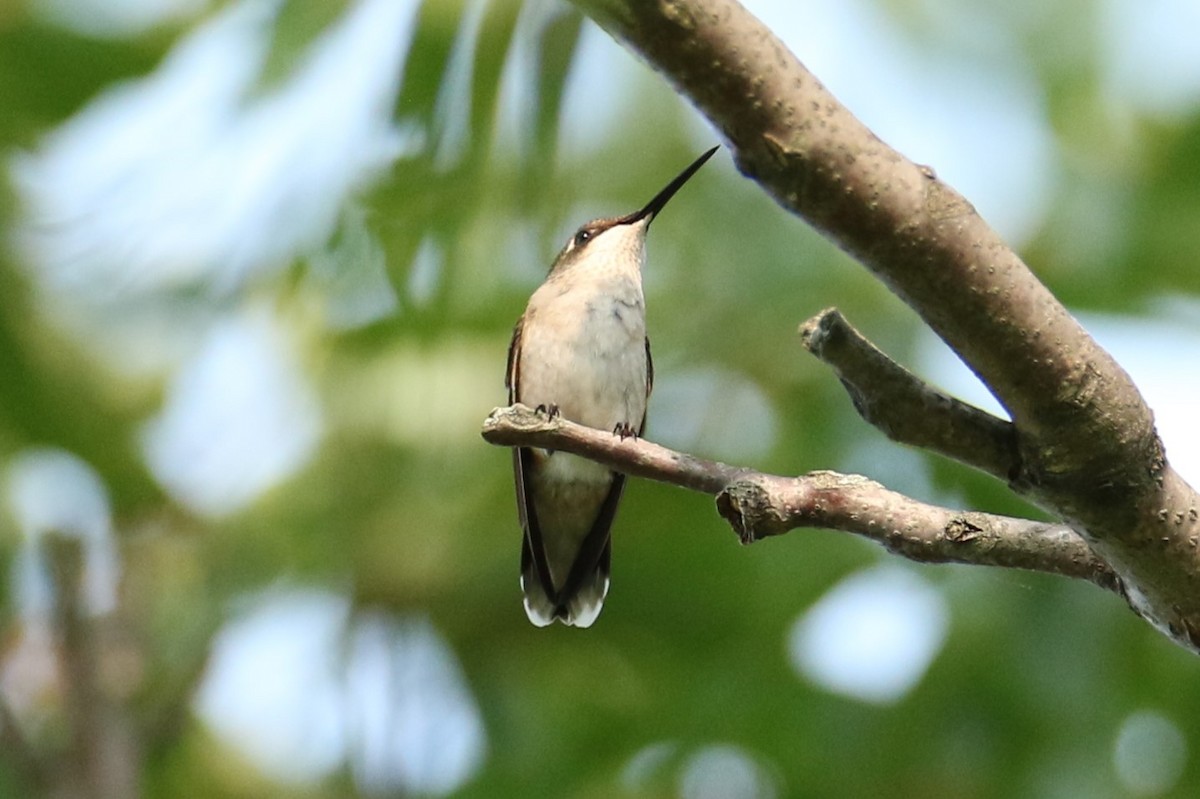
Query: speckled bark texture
x,y
1083,441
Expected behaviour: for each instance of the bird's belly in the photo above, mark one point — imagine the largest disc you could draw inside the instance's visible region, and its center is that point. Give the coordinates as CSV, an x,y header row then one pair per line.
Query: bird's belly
x,y
594,370
567,493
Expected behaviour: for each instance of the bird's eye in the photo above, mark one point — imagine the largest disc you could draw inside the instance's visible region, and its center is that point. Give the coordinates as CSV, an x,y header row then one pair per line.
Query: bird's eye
x,y
582,237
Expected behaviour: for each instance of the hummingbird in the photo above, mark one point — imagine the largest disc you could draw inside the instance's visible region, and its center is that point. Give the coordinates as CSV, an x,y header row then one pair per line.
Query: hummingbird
x,y
580,350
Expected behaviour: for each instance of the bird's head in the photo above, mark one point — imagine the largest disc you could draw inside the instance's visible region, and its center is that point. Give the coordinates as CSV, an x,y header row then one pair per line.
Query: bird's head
x,y
621,238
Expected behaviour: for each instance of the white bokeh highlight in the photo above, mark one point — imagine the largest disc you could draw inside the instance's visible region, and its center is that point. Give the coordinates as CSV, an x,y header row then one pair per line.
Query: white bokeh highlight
x,y
693,409
271,688
302,687
978,119
1151,63
426,736
239,417
53,492
351,276
648,764
1151,350
724,771
114,18
452,108
872,636
195,176
596,100
1149,754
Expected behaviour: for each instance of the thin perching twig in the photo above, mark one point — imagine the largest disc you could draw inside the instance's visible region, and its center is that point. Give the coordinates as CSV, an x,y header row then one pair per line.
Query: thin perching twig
x,y
760,505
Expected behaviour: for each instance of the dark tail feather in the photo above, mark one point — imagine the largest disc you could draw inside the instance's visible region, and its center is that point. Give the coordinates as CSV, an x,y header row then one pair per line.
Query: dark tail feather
x,y
579,603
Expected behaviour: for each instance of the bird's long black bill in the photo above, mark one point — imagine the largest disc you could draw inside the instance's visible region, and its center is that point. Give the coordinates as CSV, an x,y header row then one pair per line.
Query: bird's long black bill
x,y
654,206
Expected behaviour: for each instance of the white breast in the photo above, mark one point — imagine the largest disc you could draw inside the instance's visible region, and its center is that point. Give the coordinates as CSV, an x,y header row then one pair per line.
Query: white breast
x,y
583,349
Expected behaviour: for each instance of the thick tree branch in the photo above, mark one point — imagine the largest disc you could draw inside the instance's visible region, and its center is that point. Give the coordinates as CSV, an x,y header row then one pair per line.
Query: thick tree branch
x,y
904,407
759,505
1088,449
1076,409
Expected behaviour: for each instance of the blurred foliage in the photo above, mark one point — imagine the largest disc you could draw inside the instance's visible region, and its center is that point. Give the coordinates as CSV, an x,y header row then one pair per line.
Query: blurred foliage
x,y
404,509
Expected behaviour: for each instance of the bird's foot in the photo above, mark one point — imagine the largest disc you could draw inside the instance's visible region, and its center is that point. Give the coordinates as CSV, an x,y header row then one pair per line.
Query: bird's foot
x,y
625,430
550,410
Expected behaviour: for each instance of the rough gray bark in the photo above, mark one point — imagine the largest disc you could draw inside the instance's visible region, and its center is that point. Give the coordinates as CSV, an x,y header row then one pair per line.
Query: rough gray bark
x,y
1082,442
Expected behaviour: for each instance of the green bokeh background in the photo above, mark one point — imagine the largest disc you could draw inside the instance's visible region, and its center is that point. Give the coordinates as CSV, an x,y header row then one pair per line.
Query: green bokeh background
x,y
407,511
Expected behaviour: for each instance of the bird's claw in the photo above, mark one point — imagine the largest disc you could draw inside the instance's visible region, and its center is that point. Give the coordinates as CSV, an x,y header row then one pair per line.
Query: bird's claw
x,y
625,430
550,410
